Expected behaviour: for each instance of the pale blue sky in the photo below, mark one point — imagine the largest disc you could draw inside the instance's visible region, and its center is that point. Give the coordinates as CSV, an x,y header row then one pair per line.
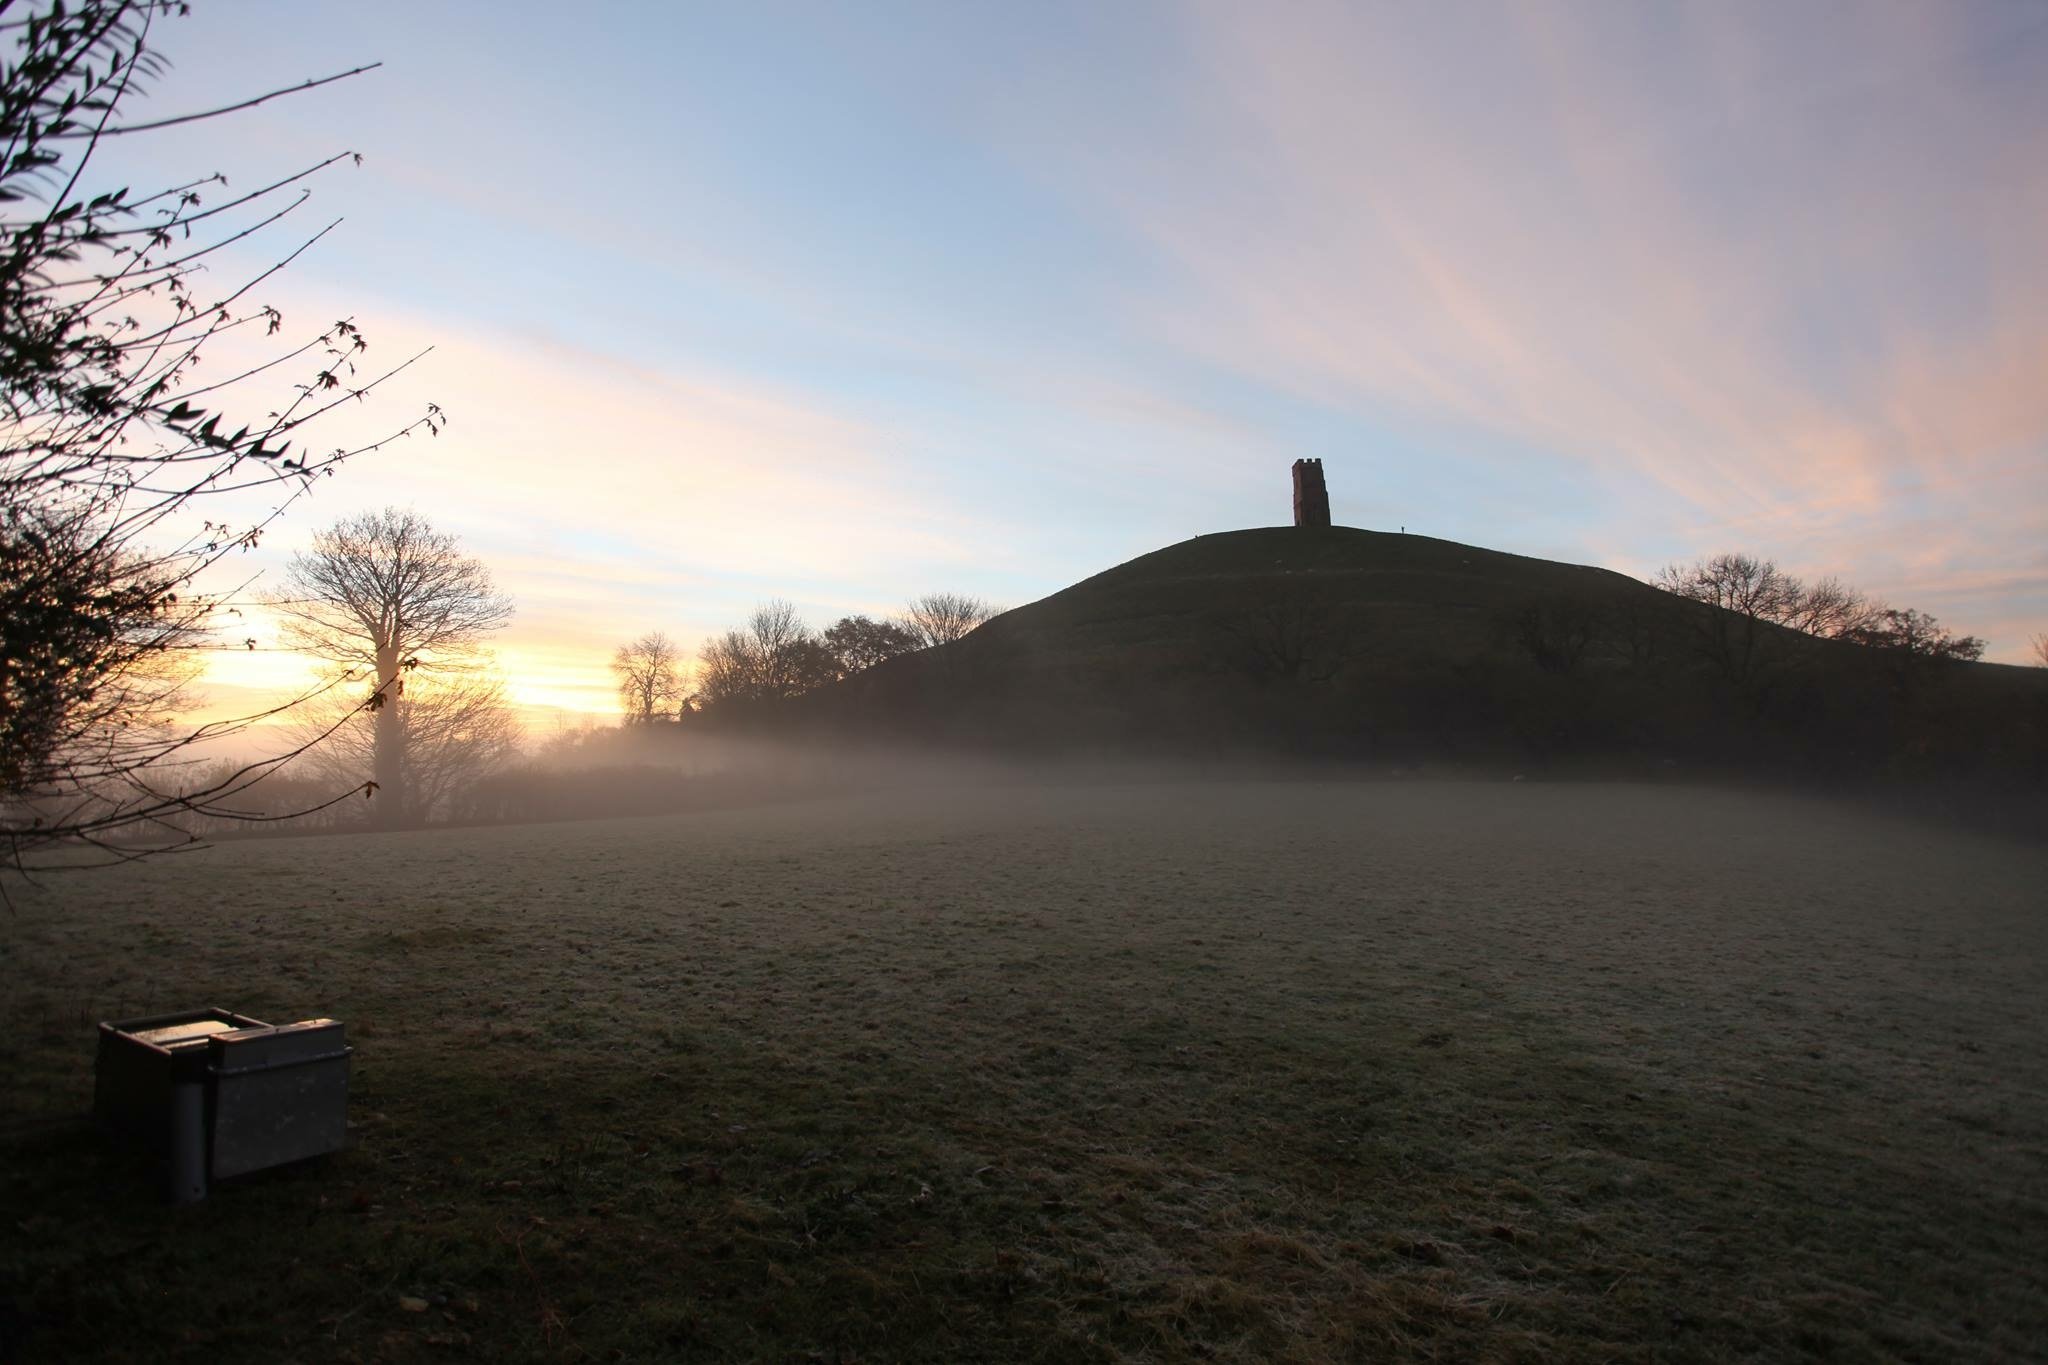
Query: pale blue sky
x,y
843,303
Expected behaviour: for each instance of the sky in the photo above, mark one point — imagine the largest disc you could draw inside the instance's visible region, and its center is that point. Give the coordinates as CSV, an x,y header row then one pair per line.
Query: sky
x,y
842,304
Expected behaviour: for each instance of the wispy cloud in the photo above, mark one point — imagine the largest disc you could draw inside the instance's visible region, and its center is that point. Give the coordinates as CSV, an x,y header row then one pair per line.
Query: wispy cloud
x,y
610,499
996,298
1772,270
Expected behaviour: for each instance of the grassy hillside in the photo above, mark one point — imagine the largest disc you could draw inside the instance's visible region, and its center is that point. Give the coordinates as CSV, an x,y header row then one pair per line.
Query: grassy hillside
x,y
1359,643
1408,593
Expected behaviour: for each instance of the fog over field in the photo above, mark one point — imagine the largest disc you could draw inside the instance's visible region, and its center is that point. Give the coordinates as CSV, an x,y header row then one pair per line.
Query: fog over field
x,y
1076,683
1117,1070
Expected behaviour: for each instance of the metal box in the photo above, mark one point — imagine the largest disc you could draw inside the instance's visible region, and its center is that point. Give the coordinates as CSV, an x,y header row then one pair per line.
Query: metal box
x,y
218,1094
279,1094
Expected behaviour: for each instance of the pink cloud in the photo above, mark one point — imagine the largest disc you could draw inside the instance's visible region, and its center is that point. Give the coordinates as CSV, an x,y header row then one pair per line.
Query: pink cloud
x,y
1754,272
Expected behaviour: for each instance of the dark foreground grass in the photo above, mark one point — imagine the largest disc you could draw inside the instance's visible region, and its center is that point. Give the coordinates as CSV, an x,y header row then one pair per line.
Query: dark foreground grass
x,y
1245,1072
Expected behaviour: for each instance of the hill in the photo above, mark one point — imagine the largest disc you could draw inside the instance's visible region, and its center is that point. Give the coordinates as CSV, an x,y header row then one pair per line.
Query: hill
x,y
1349,643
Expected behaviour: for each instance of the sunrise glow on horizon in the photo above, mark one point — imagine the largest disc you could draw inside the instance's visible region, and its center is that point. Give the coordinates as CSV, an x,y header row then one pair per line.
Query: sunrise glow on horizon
x,y
842,306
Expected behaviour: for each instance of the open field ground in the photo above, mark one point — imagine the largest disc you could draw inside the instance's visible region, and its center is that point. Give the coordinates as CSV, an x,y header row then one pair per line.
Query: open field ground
x,y
1247,1071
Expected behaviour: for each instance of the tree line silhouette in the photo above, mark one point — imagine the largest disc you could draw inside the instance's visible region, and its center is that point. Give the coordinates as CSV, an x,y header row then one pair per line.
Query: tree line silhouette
x,y
776,657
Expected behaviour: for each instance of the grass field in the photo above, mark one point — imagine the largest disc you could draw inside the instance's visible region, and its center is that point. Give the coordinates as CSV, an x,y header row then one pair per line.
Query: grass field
x,y
1243,1071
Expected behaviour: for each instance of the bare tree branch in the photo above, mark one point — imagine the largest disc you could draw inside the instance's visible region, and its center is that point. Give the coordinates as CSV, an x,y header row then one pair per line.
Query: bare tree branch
x,y
386,592
650,677
939,618
298,89
104,450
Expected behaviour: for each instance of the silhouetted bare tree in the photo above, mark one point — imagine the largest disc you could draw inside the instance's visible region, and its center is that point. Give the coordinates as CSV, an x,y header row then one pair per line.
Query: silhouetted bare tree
x,y
939,618
1827,609
860,642
456,730
106,438
1753,595
1760,591
650,677
776,656
1915,633
387,593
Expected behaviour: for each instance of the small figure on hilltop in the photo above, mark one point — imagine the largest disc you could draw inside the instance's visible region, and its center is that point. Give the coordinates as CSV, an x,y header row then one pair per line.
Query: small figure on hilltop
x,y
1311,498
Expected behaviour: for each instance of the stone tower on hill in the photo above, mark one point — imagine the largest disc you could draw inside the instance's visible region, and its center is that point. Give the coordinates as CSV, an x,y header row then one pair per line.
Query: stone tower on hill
x,y
1311,498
